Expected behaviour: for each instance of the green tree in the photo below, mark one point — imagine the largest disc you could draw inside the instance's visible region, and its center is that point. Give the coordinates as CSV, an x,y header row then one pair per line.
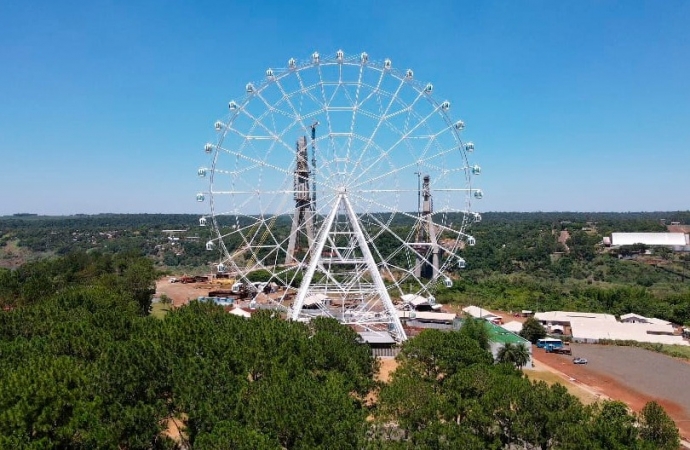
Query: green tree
x,y
476,330
532,330
613,427
515,354
657,428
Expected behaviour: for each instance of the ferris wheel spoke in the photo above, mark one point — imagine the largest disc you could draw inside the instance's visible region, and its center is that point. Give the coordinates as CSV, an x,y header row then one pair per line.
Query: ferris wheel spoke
x,y
355,109
256,161
386,154
380,120
271,135
325,102
288,100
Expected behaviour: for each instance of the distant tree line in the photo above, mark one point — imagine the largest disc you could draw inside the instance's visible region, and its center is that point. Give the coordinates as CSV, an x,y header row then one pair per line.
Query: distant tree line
x,y
516,264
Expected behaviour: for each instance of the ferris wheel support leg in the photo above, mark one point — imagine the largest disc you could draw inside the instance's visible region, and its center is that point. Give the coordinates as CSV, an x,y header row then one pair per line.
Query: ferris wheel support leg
x,y
309,213
314,262
434,249
374,272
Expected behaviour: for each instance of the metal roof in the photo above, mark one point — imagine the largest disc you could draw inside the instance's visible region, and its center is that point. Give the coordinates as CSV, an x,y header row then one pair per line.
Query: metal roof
x,y
371,337
478,312
513,326
666,239
569,316
427,316
594,330
415,300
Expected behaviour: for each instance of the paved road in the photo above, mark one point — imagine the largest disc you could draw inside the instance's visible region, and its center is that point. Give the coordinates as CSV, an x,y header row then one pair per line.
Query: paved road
x,y
652,373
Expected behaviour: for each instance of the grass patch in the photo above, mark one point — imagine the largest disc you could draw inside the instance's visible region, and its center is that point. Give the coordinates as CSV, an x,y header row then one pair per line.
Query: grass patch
x,y
159,310
677,351
550,378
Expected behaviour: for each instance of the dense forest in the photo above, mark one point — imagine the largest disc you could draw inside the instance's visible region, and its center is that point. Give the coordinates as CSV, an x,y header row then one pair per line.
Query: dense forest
x,y
517,263
83,365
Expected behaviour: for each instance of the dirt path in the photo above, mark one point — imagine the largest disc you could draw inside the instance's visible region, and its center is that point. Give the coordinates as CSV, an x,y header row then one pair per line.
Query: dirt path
x,y
181,293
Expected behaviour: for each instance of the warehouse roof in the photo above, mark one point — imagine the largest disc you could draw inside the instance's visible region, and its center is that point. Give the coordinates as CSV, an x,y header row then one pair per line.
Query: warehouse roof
x,y
513,327
503,336
641,318
414,299
594,330
479,313
569,316
371,337
618,239
423,316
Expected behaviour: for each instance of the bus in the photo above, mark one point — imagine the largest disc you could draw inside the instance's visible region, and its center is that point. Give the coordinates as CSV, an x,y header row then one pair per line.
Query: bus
x,y
549,342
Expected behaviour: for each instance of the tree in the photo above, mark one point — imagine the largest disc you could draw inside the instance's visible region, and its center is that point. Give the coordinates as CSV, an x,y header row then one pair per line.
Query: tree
x,y
515,354
532,330
476,330
613,426
657,428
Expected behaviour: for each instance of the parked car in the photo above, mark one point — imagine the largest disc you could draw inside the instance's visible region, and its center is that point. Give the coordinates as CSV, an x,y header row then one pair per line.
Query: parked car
x,y
579,361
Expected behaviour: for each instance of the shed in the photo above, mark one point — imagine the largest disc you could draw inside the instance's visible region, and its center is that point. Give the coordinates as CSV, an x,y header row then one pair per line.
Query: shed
x,y
513,326
241,312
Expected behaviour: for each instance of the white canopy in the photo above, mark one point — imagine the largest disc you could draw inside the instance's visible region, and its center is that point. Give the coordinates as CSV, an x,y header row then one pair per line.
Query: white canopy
x,y
314,299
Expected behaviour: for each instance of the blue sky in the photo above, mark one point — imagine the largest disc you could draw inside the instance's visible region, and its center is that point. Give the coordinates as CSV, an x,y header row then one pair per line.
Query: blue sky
x,y
573,106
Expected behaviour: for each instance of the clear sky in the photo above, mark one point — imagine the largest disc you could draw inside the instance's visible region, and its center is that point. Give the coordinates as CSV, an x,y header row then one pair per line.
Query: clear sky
x,y
573,106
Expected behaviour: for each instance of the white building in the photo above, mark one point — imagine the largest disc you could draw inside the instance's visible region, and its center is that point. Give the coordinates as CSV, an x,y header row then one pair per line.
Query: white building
x,y
651,239
480,313
593,327
418,302
513,326
427,316
594,331
636,318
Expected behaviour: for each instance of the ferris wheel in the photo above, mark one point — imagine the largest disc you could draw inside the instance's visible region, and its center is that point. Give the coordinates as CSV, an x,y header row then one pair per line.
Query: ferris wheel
x,y
346,185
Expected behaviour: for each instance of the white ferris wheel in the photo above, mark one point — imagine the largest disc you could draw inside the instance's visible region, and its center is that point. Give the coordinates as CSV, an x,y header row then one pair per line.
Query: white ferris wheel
x,y
345,183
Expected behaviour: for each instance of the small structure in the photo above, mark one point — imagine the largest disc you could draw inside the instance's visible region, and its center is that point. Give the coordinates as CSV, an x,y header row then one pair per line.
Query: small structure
x,y
499,337
637,318
419,303
426,316
241,312
377,340
314,301
480,313
513,326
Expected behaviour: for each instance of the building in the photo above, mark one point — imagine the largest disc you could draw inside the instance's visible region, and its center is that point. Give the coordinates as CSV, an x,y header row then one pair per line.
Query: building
x,y
636,318
594,327
419,303
480,313
560,322
650,239
513,326
427,316
499,336
241,312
